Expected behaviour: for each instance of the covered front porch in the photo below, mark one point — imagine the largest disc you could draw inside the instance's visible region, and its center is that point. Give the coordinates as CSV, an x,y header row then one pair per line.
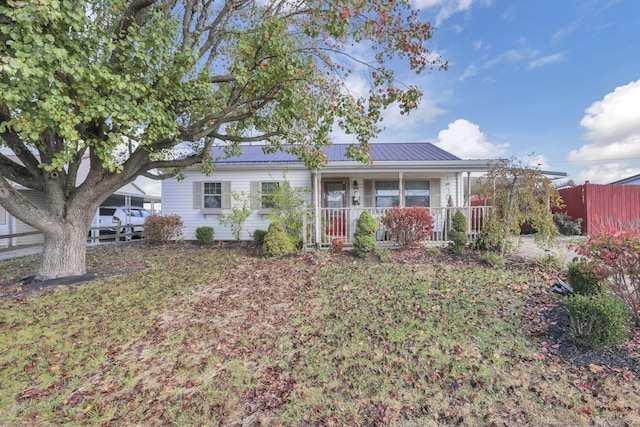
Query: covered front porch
x,y
340,197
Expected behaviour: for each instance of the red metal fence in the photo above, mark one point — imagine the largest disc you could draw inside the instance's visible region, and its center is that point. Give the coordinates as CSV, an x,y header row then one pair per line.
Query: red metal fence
x,y
603,205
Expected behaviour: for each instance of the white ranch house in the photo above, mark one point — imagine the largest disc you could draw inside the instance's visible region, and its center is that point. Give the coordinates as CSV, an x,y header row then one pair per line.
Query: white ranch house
x,y
401,174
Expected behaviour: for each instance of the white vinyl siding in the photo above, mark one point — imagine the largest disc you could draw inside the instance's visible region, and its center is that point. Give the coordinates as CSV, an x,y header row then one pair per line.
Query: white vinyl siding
x,y
185,198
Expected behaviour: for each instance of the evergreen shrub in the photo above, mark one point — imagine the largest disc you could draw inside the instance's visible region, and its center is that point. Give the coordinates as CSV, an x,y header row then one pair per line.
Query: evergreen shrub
x,y
458,236
599,321
204,235
585,278
364,240
277,241
258,237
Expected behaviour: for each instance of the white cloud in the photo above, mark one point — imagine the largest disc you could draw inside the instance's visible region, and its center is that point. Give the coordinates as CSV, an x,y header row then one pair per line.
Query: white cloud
x,y
509,14
513,56
446,8
537,161
470,71
151,187
546,60
465,140
561,34
613,130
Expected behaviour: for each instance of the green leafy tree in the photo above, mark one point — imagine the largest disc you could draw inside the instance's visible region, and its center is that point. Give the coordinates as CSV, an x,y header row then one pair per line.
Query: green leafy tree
x,y
145,87
240,211
519,194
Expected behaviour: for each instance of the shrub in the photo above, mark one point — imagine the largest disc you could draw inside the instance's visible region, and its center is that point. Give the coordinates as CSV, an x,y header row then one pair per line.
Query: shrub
x,y
276,241
490,239
618,254
240,211
408,225
204,235
162,228
458,236
364,239
258,237
566,225
599,321
493,259
586,278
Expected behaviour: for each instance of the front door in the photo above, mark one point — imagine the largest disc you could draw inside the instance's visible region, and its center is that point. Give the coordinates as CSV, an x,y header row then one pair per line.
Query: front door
x,y
335,200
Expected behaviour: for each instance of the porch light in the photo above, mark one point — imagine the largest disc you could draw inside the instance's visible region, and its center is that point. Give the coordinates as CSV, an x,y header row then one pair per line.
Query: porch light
x,y
356,194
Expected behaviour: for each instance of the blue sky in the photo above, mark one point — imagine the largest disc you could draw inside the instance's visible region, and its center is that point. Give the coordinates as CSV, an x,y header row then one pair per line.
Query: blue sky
x,y
557,78
554,83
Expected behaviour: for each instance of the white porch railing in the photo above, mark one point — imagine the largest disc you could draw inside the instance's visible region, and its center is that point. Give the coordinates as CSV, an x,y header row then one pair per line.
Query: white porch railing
x,y
341,223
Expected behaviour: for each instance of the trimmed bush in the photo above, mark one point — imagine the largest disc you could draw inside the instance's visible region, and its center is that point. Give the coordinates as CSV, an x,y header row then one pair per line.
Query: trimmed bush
x,y
204,235
458,236
408,225
258,237
162,228
364,239
277,241
585,278
599,321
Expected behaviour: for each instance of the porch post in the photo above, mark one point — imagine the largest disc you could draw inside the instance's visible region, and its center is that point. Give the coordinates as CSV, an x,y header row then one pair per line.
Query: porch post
x,y
316,203
401,189
468,188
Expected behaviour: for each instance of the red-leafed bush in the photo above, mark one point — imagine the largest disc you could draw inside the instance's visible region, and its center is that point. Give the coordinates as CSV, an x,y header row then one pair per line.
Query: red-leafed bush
x,y
160,229
618,254
408,225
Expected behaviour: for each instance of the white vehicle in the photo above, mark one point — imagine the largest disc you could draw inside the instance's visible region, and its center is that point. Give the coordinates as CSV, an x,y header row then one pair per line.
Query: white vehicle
x,y
129,218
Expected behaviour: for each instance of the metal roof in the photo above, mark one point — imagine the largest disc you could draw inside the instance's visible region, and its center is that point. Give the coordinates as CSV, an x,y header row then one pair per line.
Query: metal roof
x,y
634,179
394,152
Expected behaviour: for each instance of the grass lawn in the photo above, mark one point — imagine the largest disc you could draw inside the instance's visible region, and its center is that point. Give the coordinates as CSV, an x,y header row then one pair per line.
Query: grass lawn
x,y
184,335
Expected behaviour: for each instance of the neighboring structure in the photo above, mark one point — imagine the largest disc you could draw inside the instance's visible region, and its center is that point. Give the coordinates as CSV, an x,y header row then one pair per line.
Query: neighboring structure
x,y
129,195
632,180
599,206
401,174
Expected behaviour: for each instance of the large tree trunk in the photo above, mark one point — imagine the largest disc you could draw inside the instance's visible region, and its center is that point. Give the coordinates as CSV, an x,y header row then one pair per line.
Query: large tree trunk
x,y
64,252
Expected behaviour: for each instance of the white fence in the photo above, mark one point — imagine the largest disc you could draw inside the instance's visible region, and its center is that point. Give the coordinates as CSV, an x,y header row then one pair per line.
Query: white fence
x,y
341,223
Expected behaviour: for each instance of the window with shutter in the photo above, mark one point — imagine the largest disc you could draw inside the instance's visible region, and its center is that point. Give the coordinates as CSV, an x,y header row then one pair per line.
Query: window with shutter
x,y
212,197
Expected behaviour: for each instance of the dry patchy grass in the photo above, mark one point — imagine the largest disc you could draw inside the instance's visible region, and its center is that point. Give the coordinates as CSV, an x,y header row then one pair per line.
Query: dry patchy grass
x,y
187,335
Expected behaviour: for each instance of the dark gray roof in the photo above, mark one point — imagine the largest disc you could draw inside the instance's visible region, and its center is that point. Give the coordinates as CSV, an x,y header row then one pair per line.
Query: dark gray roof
x,y
406,151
